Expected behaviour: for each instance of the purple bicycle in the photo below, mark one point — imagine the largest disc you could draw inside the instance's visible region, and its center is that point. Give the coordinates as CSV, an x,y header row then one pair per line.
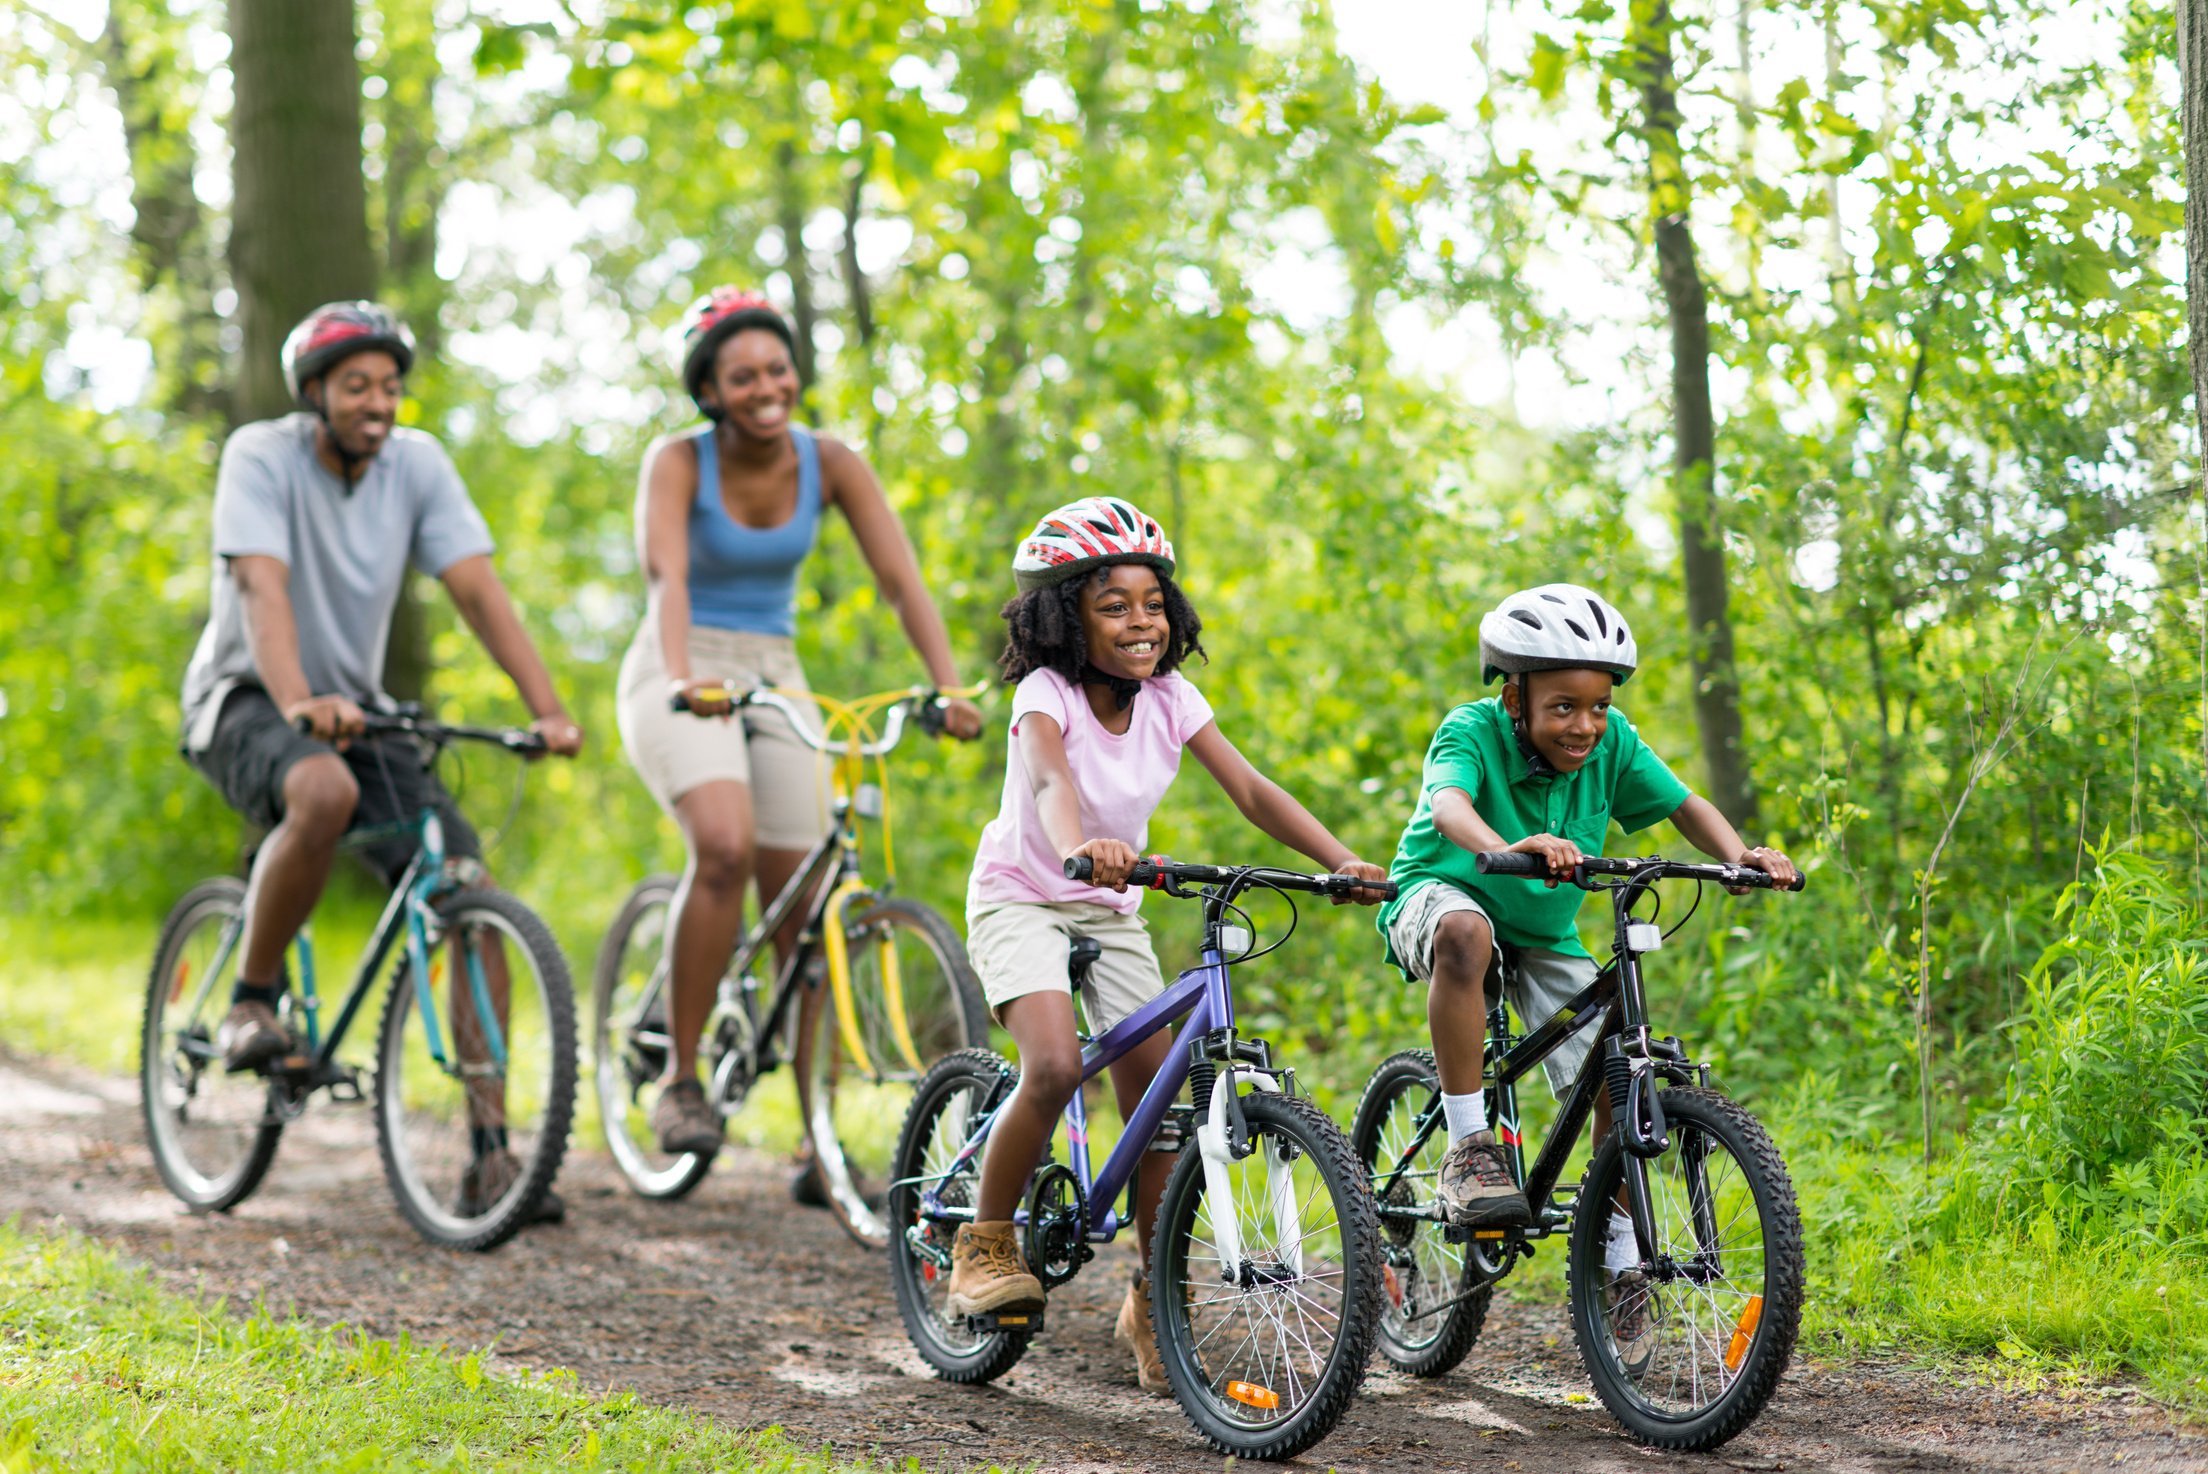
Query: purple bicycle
x,y
1265,1286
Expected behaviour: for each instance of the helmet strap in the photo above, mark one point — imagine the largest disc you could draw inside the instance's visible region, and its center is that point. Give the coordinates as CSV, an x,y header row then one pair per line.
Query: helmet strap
x,y
1123,689
1537,766
346,459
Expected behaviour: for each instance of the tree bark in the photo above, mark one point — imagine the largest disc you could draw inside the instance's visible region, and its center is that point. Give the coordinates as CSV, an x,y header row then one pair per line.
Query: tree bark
x,y
790,207
855,285
142,61
1694,430
299,221
2192,89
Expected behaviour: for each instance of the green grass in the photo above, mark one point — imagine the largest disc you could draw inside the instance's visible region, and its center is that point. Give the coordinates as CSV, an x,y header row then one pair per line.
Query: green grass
x,y
102,1369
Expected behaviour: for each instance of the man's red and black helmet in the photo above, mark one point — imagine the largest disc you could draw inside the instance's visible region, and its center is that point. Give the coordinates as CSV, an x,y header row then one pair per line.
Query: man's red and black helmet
x,y
712,320
336,331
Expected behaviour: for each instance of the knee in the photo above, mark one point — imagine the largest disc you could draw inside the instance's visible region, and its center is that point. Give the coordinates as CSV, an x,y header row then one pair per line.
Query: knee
x,y
320,795
1050,1076
720,859
1462,946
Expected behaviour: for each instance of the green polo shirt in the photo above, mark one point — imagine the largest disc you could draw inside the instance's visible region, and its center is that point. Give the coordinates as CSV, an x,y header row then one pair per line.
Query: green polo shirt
x,y
1475,750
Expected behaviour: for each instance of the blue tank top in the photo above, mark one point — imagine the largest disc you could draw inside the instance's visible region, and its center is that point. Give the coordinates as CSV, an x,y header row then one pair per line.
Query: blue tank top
x,y
745,578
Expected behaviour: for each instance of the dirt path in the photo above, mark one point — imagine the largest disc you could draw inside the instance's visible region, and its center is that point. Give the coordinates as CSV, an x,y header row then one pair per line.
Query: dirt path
x,y
743,1306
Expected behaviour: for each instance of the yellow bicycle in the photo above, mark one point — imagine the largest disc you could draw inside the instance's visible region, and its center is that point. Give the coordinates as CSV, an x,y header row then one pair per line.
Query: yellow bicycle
x,y
880,984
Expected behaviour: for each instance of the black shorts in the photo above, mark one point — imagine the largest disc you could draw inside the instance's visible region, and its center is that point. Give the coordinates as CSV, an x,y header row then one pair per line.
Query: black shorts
x,y
254,748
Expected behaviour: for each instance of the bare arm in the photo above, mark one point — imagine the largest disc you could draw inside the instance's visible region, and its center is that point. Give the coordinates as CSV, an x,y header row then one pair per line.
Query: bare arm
x,y
1462,826
481,599
1274,810
272,634
852,485
1701,824
1058,803
665,488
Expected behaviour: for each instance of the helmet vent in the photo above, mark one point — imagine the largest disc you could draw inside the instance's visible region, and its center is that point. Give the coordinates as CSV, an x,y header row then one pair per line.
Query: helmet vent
x,y
1553,599
1525,619
1574,626
1601,628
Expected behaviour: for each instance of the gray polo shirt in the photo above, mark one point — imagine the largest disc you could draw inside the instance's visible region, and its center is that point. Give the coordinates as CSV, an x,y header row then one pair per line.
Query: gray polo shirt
x,y
347,553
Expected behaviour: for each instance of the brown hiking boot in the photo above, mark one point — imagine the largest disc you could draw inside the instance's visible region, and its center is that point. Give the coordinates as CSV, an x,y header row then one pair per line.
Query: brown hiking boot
x,y
250,1038
1476,1188
988,1276
683,1122
486,1179
1135,1329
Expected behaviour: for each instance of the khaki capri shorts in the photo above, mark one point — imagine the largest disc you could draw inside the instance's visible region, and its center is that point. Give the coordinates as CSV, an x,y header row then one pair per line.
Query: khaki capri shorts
x,y
1541,981
1021,947
674,752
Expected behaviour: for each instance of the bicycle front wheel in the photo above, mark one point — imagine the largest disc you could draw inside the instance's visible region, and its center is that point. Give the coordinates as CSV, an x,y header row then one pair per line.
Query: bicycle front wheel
x,y
1436,1303
853,1109
629,1042
213,1133
1686,1349
472,1111
1265,1353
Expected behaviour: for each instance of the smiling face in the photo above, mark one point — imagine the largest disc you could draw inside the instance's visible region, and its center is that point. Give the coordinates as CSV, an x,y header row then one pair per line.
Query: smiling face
x,y
360,396
754,383
1566,713
1123,620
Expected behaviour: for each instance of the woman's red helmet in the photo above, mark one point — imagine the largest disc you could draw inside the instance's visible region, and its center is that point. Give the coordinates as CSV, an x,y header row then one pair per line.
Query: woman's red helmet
x,y
711,321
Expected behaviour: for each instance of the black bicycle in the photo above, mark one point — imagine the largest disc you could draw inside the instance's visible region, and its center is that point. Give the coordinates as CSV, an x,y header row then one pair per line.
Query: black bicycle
x,y
475,1063
1686,1347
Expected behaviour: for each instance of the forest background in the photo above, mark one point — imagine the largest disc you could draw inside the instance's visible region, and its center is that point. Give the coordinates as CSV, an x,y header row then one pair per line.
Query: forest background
x,y
1842,344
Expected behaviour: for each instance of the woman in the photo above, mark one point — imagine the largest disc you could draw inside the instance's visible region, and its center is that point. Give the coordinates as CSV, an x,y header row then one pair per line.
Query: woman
x,y
725,517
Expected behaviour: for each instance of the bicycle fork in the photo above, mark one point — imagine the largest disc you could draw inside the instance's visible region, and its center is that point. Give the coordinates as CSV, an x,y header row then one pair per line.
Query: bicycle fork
x,y
1216,1152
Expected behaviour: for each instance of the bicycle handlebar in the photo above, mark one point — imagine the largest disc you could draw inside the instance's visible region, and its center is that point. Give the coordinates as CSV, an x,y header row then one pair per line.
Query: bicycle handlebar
x,y
1651,867
1159,873
923,707
376,724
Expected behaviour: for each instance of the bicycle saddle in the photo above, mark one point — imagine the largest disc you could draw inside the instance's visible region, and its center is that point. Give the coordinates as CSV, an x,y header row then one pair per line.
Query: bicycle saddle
x,y
1081,954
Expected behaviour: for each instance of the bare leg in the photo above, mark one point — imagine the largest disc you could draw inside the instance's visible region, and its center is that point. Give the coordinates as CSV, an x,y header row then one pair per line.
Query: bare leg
x,y
294,861
1131,1076
1456,1000
486,1092
708,911
1042,1025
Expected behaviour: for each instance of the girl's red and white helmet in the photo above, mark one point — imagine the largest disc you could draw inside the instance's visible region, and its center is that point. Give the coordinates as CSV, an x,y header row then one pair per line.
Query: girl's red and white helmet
x,y
336,331
711,320
1558,626
1088,534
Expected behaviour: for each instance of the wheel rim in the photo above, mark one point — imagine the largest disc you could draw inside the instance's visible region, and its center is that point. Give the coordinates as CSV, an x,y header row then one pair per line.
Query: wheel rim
x,y
205,1121
441,1123
1260,1349
853,1114
1422,1270
946,1131
1702,1323
625,1066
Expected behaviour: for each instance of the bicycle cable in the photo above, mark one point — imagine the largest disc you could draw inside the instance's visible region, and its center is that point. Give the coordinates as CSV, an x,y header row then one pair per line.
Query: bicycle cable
x,y
1255,883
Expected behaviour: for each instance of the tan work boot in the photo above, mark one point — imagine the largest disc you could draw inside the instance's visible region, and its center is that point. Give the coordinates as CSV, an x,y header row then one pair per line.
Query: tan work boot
x,y
988,1276
1135,1329
250,1038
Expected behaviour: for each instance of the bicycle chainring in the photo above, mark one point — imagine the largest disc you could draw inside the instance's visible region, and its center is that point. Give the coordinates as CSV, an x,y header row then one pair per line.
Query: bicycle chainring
x,y
734,1058
1057,1236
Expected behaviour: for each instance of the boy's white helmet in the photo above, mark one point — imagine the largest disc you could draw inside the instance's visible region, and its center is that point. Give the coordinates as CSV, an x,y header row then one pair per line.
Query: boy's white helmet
x,y
1558,626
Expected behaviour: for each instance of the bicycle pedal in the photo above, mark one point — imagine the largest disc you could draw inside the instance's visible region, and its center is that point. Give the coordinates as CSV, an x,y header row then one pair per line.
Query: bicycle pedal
x,y
345,1090
1024,1323
1466,1233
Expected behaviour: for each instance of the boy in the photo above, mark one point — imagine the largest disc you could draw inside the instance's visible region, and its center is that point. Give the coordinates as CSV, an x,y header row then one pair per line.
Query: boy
x,y
1543,770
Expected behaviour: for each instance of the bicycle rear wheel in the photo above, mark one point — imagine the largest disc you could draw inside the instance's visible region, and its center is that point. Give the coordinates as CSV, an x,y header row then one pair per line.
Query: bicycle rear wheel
x,y
213,1133
1686,1352
1435,1301
1266,1361
629,1042
852,1112
471,1144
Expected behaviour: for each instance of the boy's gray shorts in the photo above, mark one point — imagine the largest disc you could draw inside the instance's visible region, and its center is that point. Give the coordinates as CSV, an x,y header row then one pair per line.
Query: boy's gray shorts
x,y
1542,981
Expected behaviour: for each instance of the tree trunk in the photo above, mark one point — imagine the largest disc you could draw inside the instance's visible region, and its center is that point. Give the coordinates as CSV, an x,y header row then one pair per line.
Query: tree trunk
x,y
141,57
2192,89
1694,431
416,171
790,207
299,221
855,285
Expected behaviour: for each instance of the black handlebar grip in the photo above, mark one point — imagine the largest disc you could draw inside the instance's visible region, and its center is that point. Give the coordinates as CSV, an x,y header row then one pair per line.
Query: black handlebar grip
x,y
1508,862
932,715
1801,882
1079,867
1083,867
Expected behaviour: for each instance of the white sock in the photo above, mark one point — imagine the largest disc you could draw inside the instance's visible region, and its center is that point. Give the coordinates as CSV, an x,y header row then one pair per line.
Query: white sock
x,y
1621,1253
1465,1114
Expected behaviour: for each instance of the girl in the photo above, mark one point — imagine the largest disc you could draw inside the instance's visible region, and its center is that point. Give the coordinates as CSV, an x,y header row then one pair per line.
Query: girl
x,y
1099,719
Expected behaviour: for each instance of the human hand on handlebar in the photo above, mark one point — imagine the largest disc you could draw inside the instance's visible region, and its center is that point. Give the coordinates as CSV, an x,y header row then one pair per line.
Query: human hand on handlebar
x,y
961,718
1770,862
701,696
562,737
1112,860
1363,870
334,719
1561,854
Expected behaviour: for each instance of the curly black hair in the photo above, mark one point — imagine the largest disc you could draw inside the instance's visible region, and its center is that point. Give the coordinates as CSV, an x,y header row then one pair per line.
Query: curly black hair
x,y
1043,630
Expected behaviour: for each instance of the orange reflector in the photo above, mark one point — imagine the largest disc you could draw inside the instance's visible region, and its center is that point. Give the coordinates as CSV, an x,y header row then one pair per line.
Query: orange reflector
x,y
1394,1284
1249,1394
1744,1331
1011,1320
183,976
1487,1233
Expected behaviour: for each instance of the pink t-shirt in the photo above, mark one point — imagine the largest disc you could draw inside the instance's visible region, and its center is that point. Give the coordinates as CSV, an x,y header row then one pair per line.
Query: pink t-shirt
x,y
1120,776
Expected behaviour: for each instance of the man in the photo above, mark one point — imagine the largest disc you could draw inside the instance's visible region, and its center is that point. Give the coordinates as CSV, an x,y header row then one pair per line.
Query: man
x,y
317,516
